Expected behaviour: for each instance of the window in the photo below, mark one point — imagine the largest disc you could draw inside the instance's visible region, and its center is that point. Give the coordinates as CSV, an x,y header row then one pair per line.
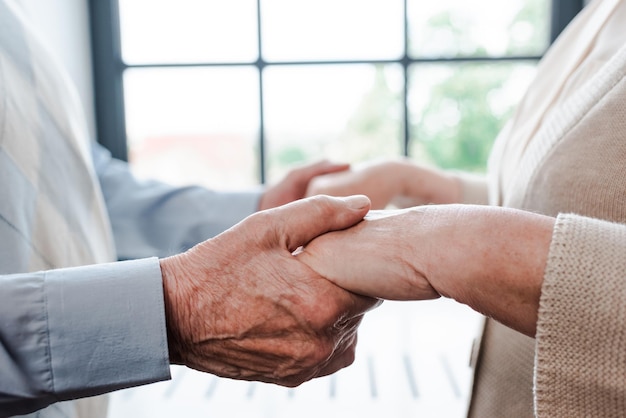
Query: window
x,y
232,94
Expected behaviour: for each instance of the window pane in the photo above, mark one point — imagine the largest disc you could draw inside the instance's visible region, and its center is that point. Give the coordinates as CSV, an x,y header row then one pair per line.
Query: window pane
x,y
457,110
451,28
346,113
332,29
194,125
170,31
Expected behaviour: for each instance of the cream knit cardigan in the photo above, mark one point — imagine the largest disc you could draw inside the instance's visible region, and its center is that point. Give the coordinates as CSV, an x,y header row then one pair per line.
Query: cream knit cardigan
x,y
574,168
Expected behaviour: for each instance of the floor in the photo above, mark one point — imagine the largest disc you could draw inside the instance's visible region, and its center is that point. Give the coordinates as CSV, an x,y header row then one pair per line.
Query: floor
x,y
412,361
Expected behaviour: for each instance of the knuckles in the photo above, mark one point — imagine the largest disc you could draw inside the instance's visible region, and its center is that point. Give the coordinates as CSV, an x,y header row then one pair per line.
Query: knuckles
x,y
303,362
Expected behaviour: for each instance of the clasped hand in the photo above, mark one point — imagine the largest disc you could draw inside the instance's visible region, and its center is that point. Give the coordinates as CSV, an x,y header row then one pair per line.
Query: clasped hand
x,y
489,258
242,306
247,305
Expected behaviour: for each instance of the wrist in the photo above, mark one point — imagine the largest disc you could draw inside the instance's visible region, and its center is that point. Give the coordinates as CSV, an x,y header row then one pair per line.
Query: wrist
x,y
401,176
428,185
171,268
497,258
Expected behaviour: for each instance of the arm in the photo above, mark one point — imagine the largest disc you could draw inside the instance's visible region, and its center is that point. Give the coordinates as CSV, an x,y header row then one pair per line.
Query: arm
x,y
491,259
239,305
403,183
80,332
150,218
560,280
185,216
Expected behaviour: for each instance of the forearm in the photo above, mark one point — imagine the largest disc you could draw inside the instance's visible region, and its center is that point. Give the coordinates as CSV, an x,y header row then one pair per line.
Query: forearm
x,y
149,218
489,258
497,262
424,185
474,189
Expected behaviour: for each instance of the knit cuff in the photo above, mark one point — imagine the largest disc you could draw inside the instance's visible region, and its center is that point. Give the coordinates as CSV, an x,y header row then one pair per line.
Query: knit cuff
x,y
580,364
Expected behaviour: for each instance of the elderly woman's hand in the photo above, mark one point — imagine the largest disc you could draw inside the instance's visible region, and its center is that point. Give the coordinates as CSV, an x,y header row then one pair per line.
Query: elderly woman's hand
x,y
375,257
489,258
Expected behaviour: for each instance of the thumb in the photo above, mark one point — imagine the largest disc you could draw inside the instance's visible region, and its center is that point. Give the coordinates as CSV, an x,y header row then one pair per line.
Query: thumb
x,y
308,218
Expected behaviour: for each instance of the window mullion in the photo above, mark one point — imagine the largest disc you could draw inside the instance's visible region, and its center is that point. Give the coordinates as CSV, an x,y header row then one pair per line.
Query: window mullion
x,y
108,76
260,67
563,11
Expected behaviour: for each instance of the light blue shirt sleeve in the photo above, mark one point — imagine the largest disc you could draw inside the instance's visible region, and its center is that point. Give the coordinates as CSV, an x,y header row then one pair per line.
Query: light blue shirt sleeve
x,y
150,218
83,331
79,332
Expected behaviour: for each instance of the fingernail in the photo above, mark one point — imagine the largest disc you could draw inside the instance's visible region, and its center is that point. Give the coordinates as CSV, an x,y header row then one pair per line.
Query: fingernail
x,y
357,202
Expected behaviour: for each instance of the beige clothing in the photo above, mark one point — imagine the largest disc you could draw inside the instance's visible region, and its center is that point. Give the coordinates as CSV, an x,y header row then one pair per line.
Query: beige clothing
x,y
564,152
585,45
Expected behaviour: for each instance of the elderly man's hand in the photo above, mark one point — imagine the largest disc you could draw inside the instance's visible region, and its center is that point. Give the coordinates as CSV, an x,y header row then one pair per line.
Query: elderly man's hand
x,y
242,306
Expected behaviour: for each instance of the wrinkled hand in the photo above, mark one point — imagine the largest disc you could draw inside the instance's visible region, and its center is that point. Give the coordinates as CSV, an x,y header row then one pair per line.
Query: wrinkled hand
x,y
381,256
242,306
398,182
294,185
489,258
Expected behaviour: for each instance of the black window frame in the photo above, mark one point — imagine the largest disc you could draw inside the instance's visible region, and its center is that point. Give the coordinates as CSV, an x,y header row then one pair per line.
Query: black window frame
x,y
109,69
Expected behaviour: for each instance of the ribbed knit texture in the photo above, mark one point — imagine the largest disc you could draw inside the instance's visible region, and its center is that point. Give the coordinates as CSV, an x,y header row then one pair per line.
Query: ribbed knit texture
x,y
581,340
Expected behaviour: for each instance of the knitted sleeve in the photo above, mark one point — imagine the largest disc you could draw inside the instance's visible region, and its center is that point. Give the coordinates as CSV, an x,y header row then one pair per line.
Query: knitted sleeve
x,y
580,363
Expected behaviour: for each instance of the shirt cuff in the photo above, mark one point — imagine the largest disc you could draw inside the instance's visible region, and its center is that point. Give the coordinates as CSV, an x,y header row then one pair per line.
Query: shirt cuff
x,y
106,327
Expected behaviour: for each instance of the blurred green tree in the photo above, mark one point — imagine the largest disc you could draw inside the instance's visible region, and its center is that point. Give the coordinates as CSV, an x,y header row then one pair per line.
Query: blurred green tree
x,y
462,108
466,108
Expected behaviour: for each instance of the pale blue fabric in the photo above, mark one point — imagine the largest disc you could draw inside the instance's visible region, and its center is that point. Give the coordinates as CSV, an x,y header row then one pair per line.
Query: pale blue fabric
x,y
72,325
83,331
151,218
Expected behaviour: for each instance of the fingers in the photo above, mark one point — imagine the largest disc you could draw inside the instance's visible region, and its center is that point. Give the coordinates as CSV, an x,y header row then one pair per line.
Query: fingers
x,y
343,356
294,185
345,348
303,220
318,169
360,304
335,184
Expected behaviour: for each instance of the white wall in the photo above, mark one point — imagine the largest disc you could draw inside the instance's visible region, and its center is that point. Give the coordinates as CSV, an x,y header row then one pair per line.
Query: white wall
x,y
65,26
